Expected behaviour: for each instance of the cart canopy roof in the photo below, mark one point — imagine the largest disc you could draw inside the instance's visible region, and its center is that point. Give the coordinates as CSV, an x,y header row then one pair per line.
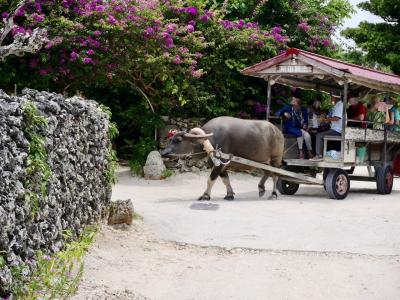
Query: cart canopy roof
x,y
307,70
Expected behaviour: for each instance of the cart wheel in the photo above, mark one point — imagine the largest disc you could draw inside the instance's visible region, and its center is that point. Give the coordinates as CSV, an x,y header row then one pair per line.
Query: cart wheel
x,y
324,175
287,187
337,184
384,179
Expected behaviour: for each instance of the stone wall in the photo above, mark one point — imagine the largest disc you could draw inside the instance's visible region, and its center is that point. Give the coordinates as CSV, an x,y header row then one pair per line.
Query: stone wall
x,y
78,190
181,124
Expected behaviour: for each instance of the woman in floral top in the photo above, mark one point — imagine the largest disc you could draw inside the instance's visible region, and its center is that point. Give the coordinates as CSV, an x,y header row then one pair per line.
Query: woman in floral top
x,y
378,114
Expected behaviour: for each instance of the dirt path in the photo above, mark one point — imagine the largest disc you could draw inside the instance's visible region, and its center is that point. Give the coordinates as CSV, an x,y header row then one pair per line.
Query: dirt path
x,y
133,264
299,247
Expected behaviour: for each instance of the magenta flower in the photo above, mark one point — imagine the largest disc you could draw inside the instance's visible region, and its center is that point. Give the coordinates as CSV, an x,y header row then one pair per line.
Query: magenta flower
x,y
326,43
73,56
192,11
303,26
119,8
18,30
97,33
276,30
5,15
149,31
112,20
177,60
49,45
171,27
87,60
190,28
90,52
204,18
183,50
43,72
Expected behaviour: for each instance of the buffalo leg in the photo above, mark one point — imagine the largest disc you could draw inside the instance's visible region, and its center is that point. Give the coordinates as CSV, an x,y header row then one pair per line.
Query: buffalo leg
x,y
274,195
261,184
210,183
229,191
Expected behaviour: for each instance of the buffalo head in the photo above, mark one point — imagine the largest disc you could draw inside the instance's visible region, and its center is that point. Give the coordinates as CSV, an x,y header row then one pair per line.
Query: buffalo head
x,y
183,143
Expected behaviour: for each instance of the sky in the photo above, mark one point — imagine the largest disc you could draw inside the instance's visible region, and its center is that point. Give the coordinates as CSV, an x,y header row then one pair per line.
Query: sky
x,y
355,19
360,15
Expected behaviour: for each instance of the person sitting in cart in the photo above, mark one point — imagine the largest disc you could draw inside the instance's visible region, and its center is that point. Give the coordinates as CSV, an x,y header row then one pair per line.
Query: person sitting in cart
x,y
335,119
378,113
295,123
356,111
394,114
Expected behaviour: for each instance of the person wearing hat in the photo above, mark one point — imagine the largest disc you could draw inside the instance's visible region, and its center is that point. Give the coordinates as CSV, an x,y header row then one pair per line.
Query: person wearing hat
x,y
357,112
336,126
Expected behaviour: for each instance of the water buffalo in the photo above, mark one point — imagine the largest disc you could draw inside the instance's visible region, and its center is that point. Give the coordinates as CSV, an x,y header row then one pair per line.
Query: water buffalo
x,y
256,140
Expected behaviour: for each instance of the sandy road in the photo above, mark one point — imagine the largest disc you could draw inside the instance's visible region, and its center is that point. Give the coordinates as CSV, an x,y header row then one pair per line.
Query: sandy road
x,y
300,247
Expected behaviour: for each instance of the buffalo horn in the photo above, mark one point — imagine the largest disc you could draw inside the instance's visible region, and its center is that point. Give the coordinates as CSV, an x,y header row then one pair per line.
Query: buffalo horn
x,y
197,133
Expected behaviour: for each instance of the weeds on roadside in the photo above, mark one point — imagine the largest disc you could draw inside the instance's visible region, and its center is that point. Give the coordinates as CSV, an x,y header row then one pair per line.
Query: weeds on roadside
x,y
38,170
167,173
52,277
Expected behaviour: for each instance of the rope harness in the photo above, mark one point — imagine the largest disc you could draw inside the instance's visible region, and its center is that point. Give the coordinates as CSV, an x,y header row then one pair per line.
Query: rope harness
x,y
214,155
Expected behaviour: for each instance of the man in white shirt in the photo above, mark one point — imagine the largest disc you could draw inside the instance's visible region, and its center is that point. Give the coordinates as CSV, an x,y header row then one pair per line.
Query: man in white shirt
x,y
336,126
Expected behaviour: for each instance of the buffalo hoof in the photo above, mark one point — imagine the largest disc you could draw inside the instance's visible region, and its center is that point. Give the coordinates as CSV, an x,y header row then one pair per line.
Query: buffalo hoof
x,y
229,197
261,191
273,196
204,197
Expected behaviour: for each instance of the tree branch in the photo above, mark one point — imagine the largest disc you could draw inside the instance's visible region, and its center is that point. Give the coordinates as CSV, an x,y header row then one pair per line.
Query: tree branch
x,y
22,43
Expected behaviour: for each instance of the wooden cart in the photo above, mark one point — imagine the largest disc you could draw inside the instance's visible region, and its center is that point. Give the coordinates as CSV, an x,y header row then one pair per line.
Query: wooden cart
x,y
310,71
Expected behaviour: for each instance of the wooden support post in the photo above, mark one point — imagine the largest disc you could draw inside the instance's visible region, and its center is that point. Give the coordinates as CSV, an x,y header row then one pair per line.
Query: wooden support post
x,y
344,117
268,98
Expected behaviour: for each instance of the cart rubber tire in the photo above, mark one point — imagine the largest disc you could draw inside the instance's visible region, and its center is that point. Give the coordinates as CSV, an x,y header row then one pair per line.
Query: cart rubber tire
x,y
287,187
384,179
324,175
337,184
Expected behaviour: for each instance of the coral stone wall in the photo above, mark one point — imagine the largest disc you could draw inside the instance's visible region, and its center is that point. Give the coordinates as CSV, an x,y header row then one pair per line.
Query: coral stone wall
x,y
78,190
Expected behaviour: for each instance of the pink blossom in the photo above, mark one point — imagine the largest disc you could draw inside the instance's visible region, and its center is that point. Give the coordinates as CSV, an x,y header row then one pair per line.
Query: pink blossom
x,y
192,11
87,60
90,52
190,28
112,20
43,72
18,30
303,26
171,27
38,18
177,60
149,31
119,8
73,56
97,33
5,15
196,73
276,30
49,45
204,18
326,42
